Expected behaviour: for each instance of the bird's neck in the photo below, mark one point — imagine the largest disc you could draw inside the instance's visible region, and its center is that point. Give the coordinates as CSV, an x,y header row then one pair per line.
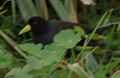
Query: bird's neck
x,y
41,30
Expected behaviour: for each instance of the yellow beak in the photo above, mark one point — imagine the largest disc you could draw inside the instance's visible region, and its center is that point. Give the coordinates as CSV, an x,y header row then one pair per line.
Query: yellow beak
x,y
25,29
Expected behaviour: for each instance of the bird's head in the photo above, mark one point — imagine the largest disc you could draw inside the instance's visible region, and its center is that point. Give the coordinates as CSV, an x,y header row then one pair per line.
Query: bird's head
x,y
36,25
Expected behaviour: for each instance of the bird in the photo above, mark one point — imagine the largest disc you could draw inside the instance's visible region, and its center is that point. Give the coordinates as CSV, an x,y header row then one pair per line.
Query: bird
x,y
44,31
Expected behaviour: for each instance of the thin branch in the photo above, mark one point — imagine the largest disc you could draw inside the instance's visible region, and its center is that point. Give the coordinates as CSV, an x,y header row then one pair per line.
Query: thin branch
x,y
12,43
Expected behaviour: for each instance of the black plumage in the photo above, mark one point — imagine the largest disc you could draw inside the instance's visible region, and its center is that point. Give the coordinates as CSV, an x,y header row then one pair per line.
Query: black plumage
x,y
43,31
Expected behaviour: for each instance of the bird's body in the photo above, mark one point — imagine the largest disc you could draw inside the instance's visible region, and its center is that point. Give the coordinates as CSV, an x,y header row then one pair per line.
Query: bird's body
x,y
47,37
44,31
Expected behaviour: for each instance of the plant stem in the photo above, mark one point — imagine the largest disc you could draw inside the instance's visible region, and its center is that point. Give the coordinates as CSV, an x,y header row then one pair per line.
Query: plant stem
x,y
13,44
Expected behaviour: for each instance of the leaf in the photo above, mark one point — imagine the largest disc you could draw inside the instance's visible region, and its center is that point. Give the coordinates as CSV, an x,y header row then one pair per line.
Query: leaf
x,y
71,7
109,67
7,23
96,37
49,55
27,9
35,66
39,57
34,63
1,46
112,40
67,38
80,30
56,53
17,73
42,9
5,59
31,48
7,26
60,9
116,74
92,63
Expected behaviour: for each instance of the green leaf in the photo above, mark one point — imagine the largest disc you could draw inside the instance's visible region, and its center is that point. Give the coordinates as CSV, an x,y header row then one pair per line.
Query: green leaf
x,y
7,23
27,9
116,74
49,55
67,38
7,26
113,40
60,9
42,8
5,59
53,52
80,30
31,48
17,73
36,66
1,46
109,67
40,58
96,37
34,63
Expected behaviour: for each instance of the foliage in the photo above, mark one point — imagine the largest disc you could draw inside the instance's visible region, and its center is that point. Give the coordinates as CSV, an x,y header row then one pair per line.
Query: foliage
x,y
21,58
45,60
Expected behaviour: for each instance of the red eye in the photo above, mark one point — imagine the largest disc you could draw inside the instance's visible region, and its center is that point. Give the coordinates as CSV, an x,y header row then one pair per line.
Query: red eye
x,y
34,23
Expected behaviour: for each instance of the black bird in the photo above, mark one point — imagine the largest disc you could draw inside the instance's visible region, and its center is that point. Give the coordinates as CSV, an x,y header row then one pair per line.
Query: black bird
x,y
43,31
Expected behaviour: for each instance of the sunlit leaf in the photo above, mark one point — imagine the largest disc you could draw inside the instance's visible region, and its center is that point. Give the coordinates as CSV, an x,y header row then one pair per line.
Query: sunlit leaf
x,y
31,48
67,38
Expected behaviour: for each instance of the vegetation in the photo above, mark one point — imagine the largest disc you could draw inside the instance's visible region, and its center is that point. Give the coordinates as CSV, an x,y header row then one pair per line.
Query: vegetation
x,y
20,57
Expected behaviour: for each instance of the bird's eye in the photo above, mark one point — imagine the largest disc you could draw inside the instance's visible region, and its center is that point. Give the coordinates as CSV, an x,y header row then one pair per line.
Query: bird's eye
x,y
34,23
